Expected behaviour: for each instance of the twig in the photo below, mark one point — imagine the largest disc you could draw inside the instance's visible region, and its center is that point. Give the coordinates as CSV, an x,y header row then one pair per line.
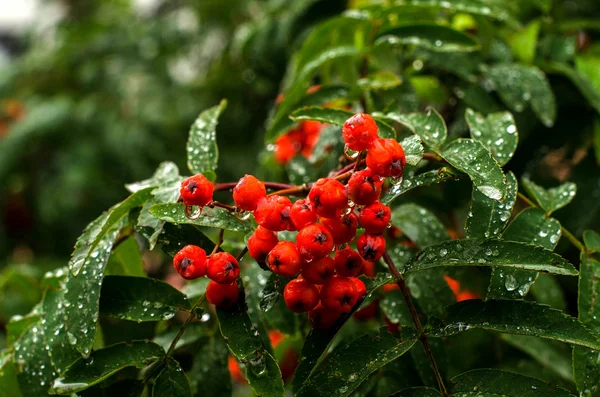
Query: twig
x,y
219,241
293,191
433,157
415,317
229,208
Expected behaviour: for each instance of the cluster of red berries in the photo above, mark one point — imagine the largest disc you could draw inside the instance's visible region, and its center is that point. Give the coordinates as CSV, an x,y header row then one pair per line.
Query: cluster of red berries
x,y
298,140
327,221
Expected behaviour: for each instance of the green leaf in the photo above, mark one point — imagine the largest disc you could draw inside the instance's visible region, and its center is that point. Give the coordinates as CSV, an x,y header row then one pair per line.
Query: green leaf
x,y
548,291
420,225
382,80
585,361
487,217
174,237
202,151
472,158
395,308
411,181
82,296
318,341
105,362
524,41
9,385
171,382
513,317
433,37
596,140
580,80
192,334
591,240
210,369
493,382
550,199
62,354
33,363
587,65
210,217
500,253
417,392
140,299
126,259
519,85
413,149
491,9
18,325
431,291
344,370
497,132
429,126
273,291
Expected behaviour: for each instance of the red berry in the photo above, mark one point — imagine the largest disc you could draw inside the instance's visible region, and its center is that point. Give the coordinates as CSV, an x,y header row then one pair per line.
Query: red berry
x,y
314,241
284,259
375,217
343,229
386,158
323,318
300,295
359,131
360,287
248,192
302,214
368,268
319,271
260,243
222,295
328,197
339,293
348,262
196,190
371,246
190,262
364,187
273,213
223,268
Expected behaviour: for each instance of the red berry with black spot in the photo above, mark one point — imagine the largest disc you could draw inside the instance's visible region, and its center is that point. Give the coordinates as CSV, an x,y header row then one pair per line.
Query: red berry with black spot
x,y
386,158
300,295
314,241
359,131
343,229
222,295
261,243
223,268
364,187
322,318
302,214
328,197
248,192
190,262
375,218
319,271
371,246
339,293
196,190
360,287
273,213
348,262
284,259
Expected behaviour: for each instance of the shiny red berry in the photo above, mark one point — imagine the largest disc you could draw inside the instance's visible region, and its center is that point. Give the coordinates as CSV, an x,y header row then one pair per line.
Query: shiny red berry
x,y
371,246
369,269
343,229
261,243
273,213
223,268
319,271
222,295
284,259
386,158
196,190
300,295
248,192
364,187
322,318
359,131
348,262
328,197
302,214
375,218
190,262
339,293
314,241
360,287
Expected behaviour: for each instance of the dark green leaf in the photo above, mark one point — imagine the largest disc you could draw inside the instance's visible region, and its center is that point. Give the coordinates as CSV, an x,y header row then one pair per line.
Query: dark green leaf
x,y
210,217
411,181
430,36
591,240
420,225
273,291
514,317
488,217
394,307
550,199
490,253
491,9
33,363
344,370
140,299
413,149
210,370
422,363
497,132
52,327
9,385
202,151
171,382
472,158
581,80
429,126
174,237
493,382
17,325
417,392
383,80
431,291
548,291
105,362
126,259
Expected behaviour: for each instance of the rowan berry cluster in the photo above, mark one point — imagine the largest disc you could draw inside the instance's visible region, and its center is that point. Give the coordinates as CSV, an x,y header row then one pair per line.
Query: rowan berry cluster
x,y
321,261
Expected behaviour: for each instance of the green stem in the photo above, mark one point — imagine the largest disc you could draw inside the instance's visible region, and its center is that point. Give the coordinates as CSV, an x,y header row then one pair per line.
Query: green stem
x,y
187,322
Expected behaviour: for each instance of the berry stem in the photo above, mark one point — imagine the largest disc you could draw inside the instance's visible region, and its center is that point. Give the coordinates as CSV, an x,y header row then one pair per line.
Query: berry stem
x,y
293,190
415,317
229,208
219,242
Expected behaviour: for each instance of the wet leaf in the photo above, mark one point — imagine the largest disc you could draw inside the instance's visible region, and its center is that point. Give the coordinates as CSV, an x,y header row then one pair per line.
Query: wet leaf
x,y
493,382
273,291
383,80
591,240
202,151
210,217
497,132
550,199
52,327
433,37
413,149
171,382
417,392
9,386
419,224
33,363
394,307
210,371
126,259
497,10
411,181
548,291
429,126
